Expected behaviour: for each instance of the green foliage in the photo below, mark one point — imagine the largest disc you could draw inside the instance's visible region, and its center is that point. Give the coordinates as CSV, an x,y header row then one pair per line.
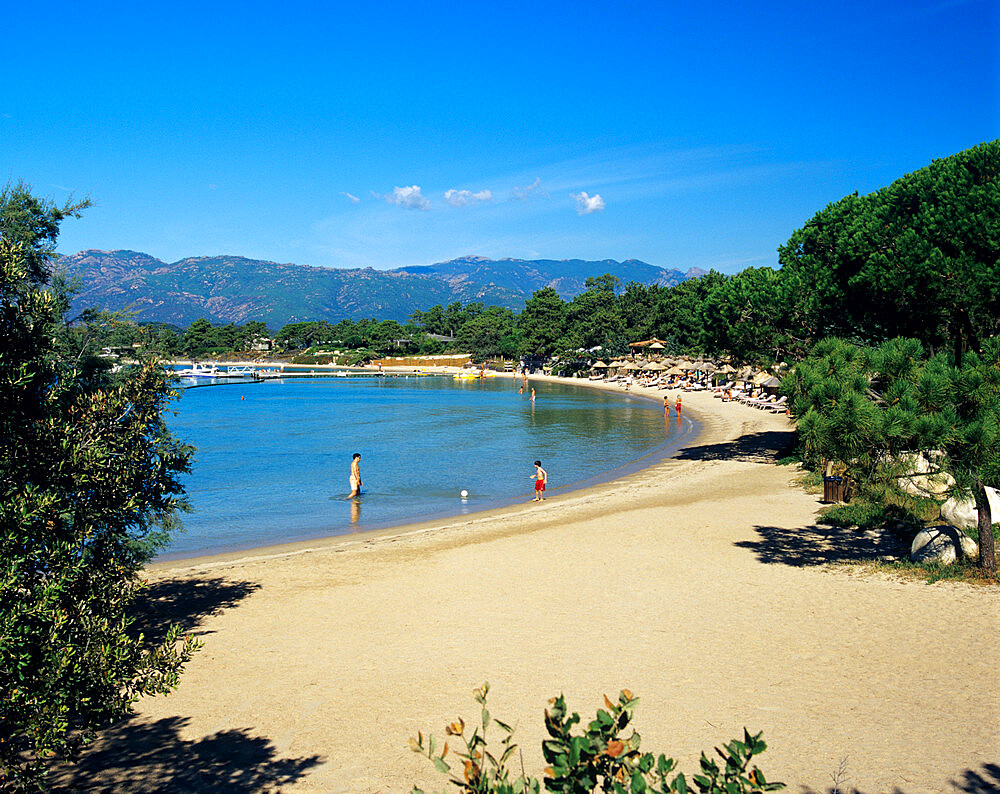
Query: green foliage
x,y
598,758
89,485
872,411
919,258
860,513
34,223
543,322
481,772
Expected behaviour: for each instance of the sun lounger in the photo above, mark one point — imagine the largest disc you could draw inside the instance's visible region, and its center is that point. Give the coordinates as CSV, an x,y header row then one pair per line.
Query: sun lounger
x,y
779,405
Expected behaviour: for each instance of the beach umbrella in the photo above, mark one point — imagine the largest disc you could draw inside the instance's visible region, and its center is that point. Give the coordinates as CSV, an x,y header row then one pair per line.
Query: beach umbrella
x,y
726,369
708,366
688,366
675,370
654,367
656,346
771,382
632,366
600,365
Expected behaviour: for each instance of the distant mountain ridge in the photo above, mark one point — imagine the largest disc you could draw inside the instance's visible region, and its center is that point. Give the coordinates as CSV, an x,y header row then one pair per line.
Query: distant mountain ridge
x,y
566,276
235,289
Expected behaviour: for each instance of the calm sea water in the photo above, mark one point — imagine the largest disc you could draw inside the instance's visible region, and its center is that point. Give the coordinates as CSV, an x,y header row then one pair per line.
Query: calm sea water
x,y
273,458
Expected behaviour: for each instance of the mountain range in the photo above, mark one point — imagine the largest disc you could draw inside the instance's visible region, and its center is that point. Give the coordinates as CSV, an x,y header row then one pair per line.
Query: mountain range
x,y
235,289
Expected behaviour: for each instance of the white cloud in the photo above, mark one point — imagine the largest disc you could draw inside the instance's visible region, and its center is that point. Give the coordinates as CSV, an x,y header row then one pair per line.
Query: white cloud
x,y
461,198
587,204
409,197
349,197
524,192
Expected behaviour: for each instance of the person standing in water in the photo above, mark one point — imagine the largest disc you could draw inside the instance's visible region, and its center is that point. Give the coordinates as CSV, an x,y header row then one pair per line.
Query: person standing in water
x,y
540,477
532,394
355,478
677,405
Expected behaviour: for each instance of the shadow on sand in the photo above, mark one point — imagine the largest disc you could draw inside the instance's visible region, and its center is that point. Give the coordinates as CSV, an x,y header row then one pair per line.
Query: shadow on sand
x,y
135,755
146,757
186,602
819,545
985,780
764,447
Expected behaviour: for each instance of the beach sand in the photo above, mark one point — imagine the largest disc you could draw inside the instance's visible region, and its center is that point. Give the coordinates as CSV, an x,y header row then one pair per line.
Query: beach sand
x,y
701,584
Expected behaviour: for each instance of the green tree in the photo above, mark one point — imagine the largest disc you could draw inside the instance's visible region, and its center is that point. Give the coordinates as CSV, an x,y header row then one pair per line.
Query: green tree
x,y
484,335
679,312
593,316
635,307
34,222
873,410
543,321
919,258
199,336
745,316
88,488
249,333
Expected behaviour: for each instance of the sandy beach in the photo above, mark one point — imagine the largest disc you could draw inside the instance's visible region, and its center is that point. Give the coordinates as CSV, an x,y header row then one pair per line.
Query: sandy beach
x,y
702,584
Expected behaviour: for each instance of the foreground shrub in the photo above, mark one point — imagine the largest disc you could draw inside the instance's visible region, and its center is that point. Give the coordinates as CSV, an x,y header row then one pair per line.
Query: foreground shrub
x,y
597,759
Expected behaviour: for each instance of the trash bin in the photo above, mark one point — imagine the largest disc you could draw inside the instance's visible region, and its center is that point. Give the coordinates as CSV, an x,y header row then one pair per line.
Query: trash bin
x,y
833,489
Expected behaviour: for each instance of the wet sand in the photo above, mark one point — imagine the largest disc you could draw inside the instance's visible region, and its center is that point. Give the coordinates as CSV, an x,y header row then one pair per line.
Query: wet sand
x,y
701,583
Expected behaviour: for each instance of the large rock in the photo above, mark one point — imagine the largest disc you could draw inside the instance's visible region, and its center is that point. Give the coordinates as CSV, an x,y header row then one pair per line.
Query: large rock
x,y
962,513
925,479
943,544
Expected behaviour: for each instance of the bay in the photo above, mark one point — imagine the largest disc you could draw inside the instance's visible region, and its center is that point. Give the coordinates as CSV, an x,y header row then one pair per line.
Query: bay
x,y
272,459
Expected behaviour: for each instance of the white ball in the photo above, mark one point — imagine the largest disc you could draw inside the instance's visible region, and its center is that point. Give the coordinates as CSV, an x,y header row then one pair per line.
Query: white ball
x,y
464,494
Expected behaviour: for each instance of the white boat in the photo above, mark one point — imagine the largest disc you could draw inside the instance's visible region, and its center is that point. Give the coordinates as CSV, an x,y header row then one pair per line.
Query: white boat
x,y
267,374
200,371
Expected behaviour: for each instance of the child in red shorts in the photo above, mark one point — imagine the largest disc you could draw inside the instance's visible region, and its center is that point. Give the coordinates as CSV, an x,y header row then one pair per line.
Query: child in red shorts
x,y
540,477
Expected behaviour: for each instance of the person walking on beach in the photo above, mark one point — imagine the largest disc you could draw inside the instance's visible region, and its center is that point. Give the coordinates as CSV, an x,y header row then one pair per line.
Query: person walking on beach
x,y
355,478
540,477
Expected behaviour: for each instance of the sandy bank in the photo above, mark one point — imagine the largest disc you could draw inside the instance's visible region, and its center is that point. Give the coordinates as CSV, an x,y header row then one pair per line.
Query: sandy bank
x,y
699,583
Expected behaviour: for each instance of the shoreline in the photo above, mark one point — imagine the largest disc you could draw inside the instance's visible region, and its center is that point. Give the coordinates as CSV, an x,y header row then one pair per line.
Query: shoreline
x,y
701,583
405,527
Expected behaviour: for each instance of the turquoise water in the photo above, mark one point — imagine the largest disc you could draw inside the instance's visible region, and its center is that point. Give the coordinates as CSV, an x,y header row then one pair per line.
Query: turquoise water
x,y
273,458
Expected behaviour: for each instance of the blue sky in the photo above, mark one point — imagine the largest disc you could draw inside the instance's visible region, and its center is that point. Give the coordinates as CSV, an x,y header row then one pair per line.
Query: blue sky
x,y
356,134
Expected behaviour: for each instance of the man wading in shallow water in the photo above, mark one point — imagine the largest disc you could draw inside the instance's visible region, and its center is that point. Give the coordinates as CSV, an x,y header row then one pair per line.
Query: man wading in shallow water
x,y
355,478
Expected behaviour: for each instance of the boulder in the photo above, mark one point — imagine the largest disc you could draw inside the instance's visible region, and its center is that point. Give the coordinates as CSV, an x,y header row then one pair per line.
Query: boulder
x,y
925,479
943,544
962,513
